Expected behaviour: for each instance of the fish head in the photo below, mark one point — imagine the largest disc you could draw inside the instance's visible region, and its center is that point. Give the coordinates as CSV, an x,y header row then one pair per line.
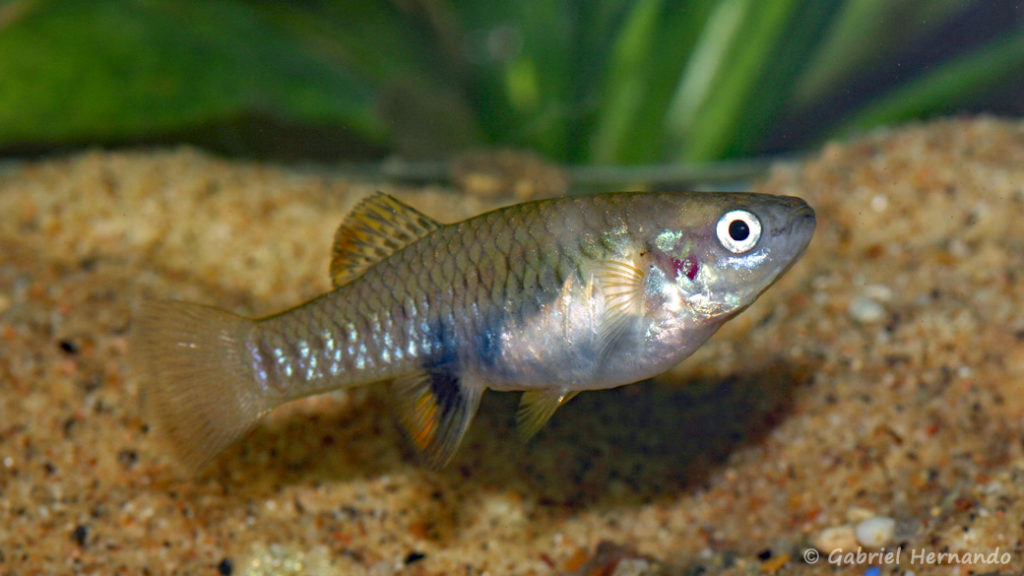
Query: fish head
x,y
712,255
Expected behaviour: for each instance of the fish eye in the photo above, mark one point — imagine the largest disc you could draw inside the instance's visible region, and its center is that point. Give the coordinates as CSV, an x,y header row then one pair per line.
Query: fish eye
x,y
738,230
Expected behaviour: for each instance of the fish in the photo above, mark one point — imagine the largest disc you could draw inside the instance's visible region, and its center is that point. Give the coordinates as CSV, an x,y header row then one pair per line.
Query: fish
x,y
549,298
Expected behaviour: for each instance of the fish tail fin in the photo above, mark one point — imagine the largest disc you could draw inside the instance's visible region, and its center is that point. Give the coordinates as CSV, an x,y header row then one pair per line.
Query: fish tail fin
x,y
198,387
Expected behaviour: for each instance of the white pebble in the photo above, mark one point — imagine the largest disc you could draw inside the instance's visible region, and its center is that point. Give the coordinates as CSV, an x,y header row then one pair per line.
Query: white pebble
x,y
866,311
633,567
836,538
876,532
878,292
879,202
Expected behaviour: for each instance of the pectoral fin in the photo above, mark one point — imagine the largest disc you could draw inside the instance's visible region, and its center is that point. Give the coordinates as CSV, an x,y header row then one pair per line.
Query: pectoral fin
x,y
536,407
435,409
622,285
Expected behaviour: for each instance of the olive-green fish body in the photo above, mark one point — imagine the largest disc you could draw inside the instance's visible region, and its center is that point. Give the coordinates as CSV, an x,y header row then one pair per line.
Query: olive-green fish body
x,y
550,298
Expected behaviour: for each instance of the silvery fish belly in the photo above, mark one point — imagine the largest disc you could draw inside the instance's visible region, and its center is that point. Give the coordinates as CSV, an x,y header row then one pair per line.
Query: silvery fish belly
x,y
549,298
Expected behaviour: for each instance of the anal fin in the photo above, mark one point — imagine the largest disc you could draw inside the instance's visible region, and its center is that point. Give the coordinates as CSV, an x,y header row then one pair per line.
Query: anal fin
x,y
537,407
435,408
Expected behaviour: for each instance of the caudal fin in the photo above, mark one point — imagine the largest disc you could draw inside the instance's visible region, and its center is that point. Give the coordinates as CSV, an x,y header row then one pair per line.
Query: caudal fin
x,y
198,387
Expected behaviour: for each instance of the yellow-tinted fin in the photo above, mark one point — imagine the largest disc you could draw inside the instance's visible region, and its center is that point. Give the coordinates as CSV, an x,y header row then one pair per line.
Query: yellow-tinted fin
x,y
622,285
198,388
435,409
376,228
537,407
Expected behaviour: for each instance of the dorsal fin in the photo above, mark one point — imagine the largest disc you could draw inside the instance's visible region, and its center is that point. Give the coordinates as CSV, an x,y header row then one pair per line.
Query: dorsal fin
x,y
377,227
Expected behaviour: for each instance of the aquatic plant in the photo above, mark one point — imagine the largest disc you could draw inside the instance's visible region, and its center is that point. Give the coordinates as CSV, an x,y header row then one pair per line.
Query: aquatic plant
x,y
606,81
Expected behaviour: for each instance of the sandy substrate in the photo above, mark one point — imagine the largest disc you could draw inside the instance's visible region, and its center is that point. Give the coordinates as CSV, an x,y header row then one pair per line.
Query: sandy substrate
x,y
882,380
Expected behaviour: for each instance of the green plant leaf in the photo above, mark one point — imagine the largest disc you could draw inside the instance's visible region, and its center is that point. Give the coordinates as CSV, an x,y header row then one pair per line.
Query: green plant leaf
x,y
651,49
949,86
722,77
108,70
603,81
865,31
775,87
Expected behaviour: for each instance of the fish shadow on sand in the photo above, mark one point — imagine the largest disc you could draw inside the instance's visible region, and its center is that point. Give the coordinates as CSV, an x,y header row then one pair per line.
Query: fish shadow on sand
x,y
636,443
630,445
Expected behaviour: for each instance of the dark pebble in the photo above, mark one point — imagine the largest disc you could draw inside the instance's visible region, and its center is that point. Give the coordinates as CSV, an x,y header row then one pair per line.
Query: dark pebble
x,y
225,568
68,347
414,557
80,535
127,457
69,426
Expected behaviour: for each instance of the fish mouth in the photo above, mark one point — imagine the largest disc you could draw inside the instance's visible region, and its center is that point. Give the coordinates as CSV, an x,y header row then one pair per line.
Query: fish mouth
x,y
802,225
794,236
798,231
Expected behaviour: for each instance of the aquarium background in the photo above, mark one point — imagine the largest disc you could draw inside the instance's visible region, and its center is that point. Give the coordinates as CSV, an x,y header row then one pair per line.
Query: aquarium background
x,y
605,82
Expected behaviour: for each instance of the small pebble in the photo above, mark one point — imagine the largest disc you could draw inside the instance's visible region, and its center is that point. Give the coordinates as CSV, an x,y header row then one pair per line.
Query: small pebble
x,y
878,292
876,532
879,202
866,311
414,557
634,567
68,347
857,514
225,568
836,538
80,535
775,563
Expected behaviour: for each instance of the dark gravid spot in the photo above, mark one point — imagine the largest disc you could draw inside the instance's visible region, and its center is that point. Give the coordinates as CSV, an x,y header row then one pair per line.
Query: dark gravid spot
x,y
446,390
443,367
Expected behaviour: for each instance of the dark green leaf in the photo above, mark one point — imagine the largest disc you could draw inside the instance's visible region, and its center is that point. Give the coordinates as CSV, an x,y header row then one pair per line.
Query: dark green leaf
x,y
114,69
953,84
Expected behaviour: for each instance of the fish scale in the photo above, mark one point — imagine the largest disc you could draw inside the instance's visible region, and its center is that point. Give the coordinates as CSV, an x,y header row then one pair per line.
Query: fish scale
x,y
549,298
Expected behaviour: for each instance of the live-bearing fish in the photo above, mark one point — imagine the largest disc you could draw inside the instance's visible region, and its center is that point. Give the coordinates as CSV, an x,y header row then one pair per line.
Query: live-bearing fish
x,y
549,298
